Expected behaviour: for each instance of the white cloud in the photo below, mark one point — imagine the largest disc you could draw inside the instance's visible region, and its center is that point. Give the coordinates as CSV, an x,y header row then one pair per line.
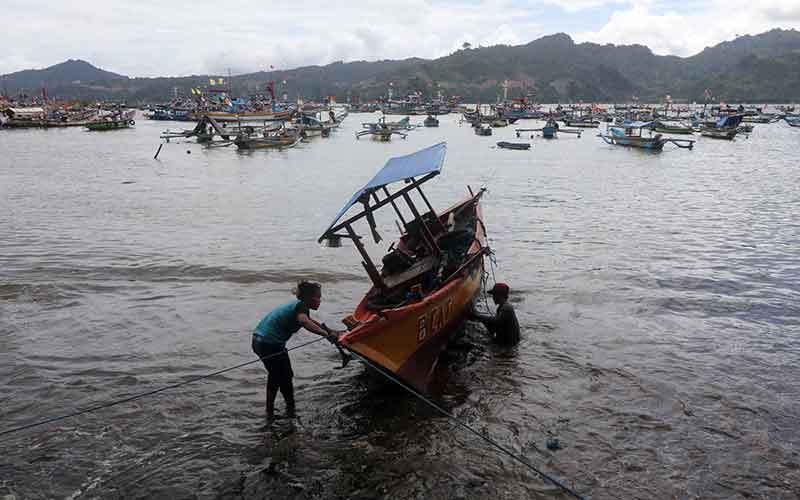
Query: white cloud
x,y
156,38
688,29
151,38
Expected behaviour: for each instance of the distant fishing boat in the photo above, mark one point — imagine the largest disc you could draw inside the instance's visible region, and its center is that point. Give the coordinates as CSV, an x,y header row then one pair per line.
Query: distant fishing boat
x,y
630,135
113,122
431,121
581,122
280,138
421,294
725,128
522,146
482,130
671,128
383,130
550,130
249,116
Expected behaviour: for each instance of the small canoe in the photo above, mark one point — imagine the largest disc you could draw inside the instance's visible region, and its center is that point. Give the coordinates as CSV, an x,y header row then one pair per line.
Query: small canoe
x,y
521,146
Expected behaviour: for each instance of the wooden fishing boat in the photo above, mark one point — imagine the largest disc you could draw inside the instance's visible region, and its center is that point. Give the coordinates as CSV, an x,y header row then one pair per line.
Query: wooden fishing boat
x,y
719,134
313,126
726,128
383,130
631,135
112,122
581,123
431,121
279,139
249,116
671,128
792,121
550,130
521,146
420,296
481,130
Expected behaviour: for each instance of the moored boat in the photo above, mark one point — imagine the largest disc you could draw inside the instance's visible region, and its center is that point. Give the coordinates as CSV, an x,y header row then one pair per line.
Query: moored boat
x,y
725,128
631,135
581,123
481,130
249,116
522,146
270,139
420,296
431,121
383,130
671,128
112,122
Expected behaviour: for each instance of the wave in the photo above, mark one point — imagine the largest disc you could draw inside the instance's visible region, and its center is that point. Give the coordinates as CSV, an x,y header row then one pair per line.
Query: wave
x,y
69,283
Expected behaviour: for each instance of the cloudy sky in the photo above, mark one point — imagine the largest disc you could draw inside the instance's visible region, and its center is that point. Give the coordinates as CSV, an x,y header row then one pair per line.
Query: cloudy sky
x,y
177,37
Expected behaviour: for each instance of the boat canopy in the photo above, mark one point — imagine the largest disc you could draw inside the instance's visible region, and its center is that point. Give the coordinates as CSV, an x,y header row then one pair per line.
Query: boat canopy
x,y
26,112
635,124
729,121
401,168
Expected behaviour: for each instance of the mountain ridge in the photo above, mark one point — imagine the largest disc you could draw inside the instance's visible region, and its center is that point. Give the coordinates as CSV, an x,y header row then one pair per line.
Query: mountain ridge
x,y
554,67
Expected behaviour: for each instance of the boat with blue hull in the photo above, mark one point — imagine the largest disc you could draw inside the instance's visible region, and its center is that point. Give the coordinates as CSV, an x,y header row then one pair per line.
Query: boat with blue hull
x,y
632,135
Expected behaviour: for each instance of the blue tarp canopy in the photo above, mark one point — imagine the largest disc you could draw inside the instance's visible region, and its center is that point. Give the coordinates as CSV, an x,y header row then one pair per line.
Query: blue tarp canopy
x,y
397,169
632,124
306,120
729,121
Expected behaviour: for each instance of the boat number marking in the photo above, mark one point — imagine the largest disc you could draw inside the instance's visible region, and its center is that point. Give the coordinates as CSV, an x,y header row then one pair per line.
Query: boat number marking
x,y
435,319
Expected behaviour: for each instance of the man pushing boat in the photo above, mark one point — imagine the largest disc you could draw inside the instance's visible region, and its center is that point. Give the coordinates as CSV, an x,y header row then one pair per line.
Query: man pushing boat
x,y
272,333
503,326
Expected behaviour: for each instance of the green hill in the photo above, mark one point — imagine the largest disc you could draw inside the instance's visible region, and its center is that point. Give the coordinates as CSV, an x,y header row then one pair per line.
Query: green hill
x,y
760,68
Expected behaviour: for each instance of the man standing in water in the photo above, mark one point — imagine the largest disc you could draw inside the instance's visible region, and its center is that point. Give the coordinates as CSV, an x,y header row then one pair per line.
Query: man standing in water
x,y
271,335
503,326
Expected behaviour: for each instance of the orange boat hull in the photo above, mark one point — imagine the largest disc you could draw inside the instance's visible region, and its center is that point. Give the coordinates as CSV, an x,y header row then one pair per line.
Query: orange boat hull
x,y
406,341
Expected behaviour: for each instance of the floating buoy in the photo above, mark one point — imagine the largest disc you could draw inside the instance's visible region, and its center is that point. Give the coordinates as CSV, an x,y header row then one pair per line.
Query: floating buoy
x,y
553,444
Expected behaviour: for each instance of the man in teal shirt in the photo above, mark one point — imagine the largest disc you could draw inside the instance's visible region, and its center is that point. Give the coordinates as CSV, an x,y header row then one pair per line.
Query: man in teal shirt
x,y
271,335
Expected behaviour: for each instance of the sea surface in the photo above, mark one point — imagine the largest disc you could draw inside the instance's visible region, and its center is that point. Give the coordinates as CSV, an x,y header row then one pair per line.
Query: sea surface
x,y
659,296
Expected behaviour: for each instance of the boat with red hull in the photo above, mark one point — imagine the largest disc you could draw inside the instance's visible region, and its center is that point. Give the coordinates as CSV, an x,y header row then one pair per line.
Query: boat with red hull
x,y
421,294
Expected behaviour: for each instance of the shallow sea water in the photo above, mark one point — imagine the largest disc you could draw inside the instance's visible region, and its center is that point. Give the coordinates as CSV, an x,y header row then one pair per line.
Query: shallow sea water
x,y
659,296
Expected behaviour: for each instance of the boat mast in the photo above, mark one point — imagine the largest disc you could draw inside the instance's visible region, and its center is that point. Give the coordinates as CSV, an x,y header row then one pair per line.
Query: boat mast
x,y
426,231
369,266
394,205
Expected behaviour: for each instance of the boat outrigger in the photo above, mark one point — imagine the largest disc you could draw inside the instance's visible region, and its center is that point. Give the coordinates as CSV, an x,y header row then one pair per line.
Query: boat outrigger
x,y
550,130
383,130
420,296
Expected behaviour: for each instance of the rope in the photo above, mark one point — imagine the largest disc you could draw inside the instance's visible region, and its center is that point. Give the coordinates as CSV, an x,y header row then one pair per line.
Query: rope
x,y
455,419
109,404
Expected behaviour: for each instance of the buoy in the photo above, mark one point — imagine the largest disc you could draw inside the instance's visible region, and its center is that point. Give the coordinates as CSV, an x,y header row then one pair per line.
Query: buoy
x,y
553,444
